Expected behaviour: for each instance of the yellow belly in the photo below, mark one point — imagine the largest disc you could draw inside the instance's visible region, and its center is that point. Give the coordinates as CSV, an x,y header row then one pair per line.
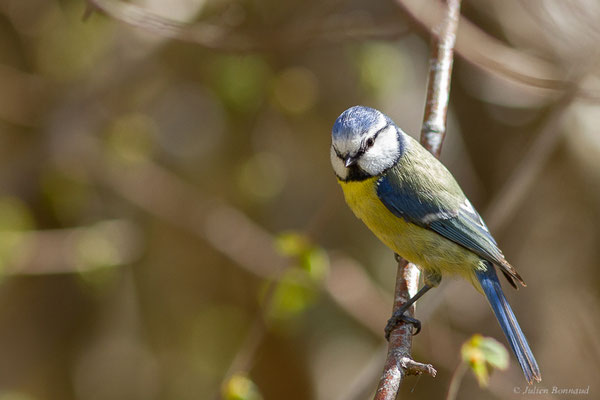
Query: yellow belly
x,y
420,246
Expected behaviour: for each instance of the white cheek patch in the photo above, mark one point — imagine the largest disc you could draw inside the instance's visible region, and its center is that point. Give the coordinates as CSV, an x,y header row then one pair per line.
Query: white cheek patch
x,y
338,165
383,154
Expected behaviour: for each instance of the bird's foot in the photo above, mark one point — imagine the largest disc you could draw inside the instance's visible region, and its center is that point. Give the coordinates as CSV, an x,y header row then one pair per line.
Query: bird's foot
x,y
396,318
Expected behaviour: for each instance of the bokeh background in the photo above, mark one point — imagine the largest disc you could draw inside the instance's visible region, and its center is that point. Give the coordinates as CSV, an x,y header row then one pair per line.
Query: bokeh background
x,y
170,226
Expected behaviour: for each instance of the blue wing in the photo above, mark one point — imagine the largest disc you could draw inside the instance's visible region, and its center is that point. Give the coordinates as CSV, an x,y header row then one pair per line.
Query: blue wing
x,y
458,222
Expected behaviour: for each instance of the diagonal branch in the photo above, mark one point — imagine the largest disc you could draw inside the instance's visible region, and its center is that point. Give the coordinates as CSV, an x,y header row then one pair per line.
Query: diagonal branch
x,y
398,362
490,54
221,37
505,203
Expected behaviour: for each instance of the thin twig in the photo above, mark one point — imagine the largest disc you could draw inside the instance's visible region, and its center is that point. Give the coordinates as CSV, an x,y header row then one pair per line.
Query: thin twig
x,y
244,357
457,377
399,363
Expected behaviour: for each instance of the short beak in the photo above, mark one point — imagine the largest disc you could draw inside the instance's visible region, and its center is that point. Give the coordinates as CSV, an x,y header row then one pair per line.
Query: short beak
x,y
350,161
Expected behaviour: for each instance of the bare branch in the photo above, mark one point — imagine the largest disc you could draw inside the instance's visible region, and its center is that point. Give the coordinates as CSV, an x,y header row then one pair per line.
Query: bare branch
x,y
217,37
66,251
206,35
485,51
399,362
473,44
506,202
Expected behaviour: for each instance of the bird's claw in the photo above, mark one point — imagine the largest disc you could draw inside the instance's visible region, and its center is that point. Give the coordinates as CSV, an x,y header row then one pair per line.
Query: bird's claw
x,y
395,320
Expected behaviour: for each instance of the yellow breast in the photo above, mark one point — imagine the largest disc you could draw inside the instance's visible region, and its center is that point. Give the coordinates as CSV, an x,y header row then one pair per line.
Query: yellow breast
x,y
418,245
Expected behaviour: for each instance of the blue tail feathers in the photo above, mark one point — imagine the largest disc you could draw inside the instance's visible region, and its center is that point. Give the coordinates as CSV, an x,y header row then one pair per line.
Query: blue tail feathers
x,y
508,322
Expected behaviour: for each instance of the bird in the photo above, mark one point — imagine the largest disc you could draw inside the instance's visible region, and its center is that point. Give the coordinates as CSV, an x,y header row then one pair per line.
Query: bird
x,y
413,204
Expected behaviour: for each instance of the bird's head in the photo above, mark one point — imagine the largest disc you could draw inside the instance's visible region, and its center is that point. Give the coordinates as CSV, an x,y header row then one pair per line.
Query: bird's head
x,y
365,143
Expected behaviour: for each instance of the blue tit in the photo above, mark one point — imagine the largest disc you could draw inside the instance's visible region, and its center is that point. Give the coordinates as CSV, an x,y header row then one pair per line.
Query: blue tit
x,y
413,204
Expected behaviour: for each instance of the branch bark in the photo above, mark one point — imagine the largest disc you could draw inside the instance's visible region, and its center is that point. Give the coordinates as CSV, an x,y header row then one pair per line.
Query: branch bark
x,y
399,362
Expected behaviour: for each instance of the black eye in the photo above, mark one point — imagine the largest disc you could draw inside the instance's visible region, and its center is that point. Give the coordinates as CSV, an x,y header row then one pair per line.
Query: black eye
x,y
369,142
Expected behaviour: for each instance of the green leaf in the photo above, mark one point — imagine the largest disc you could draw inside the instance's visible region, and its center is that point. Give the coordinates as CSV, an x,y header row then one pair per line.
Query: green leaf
x,y
298,288
495,353
293,294
291,244
482,352
309,257
315,262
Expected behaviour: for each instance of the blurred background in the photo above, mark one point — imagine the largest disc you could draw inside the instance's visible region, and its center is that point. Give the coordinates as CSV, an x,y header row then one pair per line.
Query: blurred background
x,y
171,228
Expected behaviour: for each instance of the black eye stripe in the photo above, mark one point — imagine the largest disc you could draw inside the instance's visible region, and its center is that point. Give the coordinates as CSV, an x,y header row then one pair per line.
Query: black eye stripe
x,y
364,146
